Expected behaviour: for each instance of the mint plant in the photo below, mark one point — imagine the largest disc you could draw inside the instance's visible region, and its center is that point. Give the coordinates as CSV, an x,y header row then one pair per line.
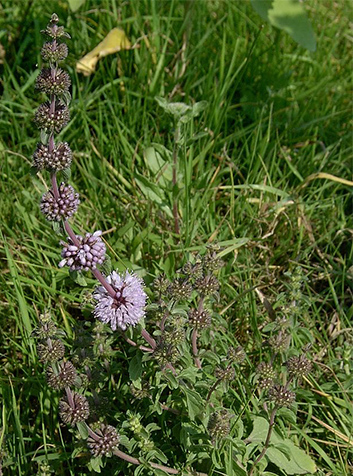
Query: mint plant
x,y
171,387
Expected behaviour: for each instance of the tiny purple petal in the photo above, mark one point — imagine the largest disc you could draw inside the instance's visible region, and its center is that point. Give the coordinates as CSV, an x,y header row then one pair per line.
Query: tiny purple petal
x,y
83,257
127,308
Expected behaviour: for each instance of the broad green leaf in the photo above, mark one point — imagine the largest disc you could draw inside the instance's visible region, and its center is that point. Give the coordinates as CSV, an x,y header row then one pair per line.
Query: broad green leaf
x,y
288,415
78,277
149,189
153,193
176,109
135,367
302,460
194,402
158,166
75,4
291,459
290,16
298,463
124,440
259,432
182,112
82,428
96,464
262,7
199,107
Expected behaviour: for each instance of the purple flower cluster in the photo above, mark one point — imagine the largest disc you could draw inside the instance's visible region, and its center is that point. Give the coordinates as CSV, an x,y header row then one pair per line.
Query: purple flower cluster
x,y
126,308
49,120
53,81
61,208
54,52
86,255
58,159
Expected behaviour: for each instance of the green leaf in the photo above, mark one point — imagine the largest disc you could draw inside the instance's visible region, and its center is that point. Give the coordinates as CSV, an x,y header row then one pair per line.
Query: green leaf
x,y
82,428
96,464
259,432
290,16
57,228
153,193
176,109
66,174
158,166
300,463
135,367
287,414
159,472
75,4
194,403
282,452
106,266
124,440
182,112
304,463
44,136
78,277
199,107
162,102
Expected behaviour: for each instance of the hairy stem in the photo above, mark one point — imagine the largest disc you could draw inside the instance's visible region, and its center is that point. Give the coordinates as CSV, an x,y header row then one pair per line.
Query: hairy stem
x,y
148,338
134,344
167,469
213,388
194,348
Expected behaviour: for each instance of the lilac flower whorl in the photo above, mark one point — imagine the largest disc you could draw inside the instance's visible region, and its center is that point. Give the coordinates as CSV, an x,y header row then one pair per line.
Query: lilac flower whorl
x,y
58,159
52,121
86,256
127,308
63,207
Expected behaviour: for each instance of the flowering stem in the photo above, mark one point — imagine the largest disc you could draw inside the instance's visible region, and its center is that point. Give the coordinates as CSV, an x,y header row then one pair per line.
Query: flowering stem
x,y
54,183
131,459
164,318
134,344
194,348
71,234
99,276
170,367
267,442
213,388
148,338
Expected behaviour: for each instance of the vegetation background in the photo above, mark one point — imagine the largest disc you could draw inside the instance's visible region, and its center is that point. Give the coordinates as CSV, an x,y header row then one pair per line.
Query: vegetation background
x,y
276,115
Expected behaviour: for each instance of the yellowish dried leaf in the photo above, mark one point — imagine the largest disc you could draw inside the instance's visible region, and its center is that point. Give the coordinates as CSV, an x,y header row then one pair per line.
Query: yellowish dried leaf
x,y
115,41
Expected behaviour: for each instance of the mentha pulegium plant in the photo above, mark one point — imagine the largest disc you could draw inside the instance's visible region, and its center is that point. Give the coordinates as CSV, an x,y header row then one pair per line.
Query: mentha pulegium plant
x,y
182,322
120,300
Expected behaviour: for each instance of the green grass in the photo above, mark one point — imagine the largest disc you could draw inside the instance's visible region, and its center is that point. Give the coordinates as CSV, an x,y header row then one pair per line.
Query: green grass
x,y
276,115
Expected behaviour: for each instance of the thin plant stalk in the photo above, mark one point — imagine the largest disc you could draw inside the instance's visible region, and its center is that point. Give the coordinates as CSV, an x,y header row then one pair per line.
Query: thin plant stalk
x,y
174,180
